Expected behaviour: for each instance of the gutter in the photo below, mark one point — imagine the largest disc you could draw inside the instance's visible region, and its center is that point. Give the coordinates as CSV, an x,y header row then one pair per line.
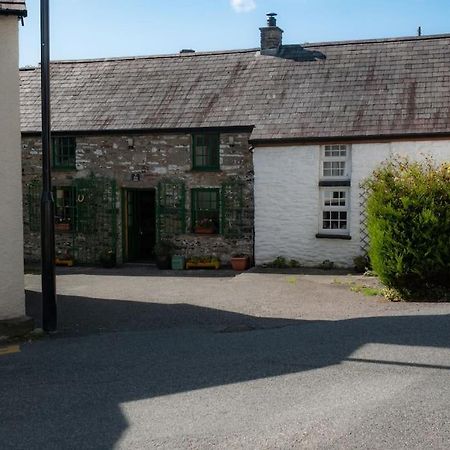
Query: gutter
x,y
349,138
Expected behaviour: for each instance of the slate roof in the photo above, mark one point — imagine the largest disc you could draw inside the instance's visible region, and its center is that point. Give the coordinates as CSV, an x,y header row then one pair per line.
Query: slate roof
x,y
327,90
13,7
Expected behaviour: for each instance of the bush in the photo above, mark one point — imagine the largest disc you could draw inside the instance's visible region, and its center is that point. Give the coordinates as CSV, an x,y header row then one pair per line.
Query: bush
x,y
409,225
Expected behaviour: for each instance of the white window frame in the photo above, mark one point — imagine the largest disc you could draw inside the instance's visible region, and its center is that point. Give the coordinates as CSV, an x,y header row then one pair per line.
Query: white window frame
x,y
334,208
337,159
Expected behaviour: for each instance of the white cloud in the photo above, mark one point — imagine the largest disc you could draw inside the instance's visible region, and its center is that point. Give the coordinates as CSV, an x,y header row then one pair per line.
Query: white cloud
x,y
243,5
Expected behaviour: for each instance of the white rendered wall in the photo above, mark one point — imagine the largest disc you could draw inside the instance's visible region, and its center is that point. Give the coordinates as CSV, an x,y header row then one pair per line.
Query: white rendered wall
x,y
12,302
287,206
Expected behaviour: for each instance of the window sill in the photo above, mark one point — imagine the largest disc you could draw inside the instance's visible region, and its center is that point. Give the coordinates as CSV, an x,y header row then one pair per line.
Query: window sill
x,y
64,169
345,237
205,170
211,235
333,183
63,231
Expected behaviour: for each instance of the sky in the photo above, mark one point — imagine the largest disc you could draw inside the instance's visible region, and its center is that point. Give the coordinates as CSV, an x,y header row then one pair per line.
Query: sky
x,y
83,29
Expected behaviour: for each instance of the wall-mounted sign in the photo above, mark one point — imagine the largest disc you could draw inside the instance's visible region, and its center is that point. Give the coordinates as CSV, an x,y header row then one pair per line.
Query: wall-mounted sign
x,y
135,177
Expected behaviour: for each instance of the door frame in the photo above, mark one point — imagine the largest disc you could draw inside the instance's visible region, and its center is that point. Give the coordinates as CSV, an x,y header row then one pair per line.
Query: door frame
x,y
124,204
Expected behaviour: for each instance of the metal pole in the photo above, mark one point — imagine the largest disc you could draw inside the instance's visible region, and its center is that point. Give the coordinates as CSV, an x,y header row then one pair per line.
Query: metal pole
x,y
47,201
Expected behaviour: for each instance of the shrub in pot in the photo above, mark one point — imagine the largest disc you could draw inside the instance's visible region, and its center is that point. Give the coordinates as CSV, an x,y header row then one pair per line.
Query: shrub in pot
x,y
108,259
163,253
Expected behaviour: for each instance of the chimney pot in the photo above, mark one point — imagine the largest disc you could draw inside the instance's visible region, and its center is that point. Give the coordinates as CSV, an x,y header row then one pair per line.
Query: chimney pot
x,y
271,19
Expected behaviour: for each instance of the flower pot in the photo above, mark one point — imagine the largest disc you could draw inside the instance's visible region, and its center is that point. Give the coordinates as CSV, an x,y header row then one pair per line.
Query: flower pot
x,y
178,262
240,263
213,264
64,261
163,262
204,230
62,226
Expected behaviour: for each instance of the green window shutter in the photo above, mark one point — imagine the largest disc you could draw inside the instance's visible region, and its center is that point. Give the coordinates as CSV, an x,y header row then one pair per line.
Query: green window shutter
x,y
86,204
206,151
171,209
233,208
34,205
96,218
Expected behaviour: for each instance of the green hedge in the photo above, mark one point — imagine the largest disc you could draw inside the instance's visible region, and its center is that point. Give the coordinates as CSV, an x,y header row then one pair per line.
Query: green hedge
x,y
409,225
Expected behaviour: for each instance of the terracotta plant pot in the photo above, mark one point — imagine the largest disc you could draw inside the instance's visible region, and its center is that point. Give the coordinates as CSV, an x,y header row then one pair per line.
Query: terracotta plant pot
x,y
62,226
204,230
240,263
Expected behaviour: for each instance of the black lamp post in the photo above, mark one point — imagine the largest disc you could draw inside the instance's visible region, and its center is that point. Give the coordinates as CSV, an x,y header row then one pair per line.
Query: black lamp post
x,y
47,201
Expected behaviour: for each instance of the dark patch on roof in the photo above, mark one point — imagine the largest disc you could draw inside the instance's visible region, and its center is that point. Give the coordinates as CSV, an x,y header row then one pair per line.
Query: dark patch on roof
x,y
295,53
344,89
13,7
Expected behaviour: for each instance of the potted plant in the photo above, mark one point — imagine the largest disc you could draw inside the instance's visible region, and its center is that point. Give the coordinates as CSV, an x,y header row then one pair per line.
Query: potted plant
x,y
163,253
239,262
108,259
207,262
205,226
61,225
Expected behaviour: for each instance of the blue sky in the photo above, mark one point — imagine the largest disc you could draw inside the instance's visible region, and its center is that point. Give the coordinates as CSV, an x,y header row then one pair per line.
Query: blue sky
x,y
104,28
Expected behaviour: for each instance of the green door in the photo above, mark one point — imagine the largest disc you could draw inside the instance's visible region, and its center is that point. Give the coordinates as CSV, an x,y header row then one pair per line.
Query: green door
x,y
140,224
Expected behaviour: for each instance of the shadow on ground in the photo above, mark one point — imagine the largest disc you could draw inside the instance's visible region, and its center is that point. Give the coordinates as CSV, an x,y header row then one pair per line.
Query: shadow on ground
x,y
67,393
150,270
138,270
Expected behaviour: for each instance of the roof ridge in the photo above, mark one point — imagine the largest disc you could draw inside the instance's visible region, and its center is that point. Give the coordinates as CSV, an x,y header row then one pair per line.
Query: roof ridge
x,y
377,40
169,55
249,50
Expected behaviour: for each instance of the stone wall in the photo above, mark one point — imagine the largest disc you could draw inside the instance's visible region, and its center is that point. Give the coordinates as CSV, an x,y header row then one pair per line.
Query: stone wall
x,y
152,157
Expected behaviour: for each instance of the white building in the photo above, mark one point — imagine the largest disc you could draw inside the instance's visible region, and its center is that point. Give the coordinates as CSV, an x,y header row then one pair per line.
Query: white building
x,y
339,111
308,212
12,297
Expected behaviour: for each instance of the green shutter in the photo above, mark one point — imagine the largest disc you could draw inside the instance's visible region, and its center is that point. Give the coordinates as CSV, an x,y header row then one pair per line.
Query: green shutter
x,y
233,208
171,209
96,218
34,205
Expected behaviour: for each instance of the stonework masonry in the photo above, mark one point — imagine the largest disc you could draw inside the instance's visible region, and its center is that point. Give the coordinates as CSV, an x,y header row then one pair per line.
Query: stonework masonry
x,y
140,161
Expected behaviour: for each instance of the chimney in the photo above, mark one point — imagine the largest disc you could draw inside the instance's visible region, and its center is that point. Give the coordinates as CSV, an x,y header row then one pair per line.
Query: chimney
x,y
271,36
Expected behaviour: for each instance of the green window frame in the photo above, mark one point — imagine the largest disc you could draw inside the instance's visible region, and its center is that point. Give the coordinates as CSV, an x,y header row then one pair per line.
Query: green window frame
x,y
64,152
206,151
206,210
65,208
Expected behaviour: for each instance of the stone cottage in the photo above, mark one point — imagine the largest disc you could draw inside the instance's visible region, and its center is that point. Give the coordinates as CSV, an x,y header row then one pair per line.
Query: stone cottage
x,y
257,151
12,294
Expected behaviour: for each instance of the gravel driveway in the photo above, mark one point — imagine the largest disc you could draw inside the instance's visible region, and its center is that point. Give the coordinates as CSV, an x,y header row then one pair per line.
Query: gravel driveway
x,y
139,298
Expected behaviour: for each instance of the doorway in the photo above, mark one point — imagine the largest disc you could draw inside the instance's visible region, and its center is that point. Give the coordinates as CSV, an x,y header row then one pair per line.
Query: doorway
x,y
139,224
